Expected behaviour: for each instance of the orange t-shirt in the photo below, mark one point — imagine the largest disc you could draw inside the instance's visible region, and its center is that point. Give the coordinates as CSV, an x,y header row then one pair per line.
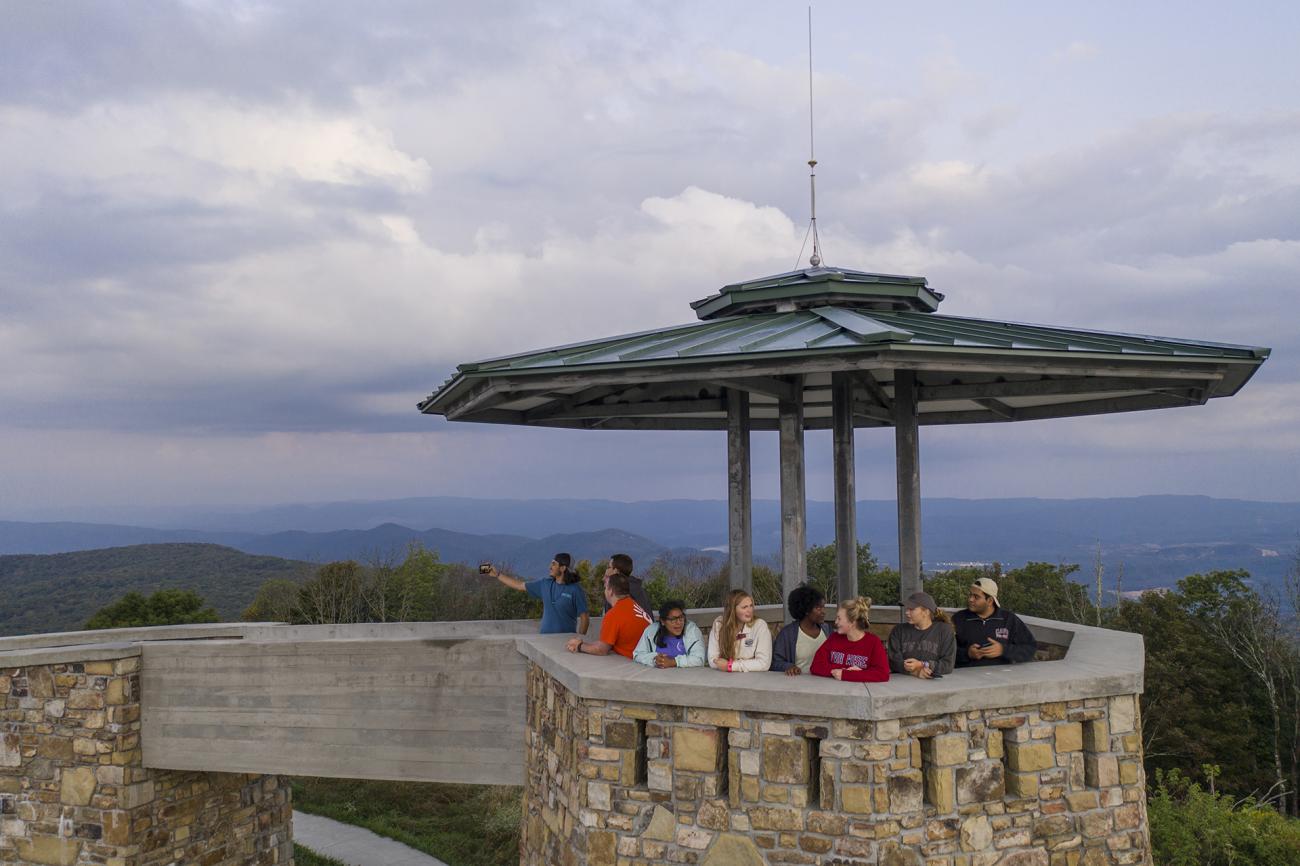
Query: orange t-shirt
x,y
622,626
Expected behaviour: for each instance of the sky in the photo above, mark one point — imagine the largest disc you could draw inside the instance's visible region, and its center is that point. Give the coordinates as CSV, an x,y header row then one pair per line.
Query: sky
x,y
240,240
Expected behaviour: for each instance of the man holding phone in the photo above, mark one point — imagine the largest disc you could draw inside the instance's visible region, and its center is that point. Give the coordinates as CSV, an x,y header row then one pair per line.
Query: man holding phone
x,y
987,634
564,603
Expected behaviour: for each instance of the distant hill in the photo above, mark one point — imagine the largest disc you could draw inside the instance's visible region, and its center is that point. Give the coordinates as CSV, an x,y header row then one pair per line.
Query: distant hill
x,y
1156,539
59,592
63,537
528,556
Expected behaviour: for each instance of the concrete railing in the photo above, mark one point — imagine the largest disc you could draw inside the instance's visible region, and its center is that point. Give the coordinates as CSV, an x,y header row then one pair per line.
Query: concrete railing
x,y
446,701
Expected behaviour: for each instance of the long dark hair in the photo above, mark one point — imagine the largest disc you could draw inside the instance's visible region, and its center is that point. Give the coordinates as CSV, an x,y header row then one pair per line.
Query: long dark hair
x,y
672,604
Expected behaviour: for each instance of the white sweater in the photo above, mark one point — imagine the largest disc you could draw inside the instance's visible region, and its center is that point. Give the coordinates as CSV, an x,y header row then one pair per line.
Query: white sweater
x,y
753,653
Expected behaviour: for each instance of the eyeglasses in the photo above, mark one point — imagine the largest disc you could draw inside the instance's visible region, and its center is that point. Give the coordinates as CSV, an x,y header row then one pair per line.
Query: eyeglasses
x,y
681,617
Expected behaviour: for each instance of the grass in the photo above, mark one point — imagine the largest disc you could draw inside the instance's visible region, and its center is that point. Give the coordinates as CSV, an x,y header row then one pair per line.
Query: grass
x,y
463,825
307,857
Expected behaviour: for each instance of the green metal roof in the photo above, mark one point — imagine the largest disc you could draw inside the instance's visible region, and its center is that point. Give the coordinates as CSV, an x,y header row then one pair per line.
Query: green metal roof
x,y
810,323
820,287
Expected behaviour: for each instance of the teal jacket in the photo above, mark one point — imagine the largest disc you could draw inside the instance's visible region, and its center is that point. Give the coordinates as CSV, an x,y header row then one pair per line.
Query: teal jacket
x,y
692,638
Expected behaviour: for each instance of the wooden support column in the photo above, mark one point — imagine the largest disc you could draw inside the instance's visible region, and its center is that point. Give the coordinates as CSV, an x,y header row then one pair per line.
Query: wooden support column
x,y
740,522
794,500
846,509
907,452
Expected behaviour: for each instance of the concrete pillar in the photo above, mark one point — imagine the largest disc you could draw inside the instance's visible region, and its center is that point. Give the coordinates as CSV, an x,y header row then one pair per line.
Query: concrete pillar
x,y
907,455
794,499
846,509
740,521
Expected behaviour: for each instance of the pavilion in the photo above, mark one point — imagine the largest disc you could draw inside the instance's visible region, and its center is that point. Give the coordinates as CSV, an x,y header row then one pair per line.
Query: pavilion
x,y
838,349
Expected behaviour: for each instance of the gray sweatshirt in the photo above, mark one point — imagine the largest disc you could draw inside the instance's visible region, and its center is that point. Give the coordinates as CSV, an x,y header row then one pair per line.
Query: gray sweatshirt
x,y
937,645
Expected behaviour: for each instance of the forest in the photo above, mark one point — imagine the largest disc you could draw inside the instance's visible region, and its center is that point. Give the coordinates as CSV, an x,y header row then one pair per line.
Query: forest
x,y
1221,709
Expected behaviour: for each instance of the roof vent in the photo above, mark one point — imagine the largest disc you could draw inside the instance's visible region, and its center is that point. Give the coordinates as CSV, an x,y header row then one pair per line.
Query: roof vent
x,y
820,287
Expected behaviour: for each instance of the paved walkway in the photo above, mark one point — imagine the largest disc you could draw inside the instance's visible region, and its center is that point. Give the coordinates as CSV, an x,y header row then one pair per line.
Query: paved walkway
x,y
355,846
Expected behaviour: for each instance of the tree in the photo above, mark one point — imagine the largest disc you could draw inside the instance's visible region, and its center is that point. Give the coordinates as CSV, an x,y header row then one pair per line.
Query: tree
x,y
333,595
880,585
164,607
276,601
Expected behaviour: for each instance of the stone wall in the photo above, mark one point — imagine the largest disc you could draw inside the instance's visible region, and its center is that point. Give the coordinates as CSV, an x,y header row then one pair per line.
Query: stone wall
x,y
73,789
613,783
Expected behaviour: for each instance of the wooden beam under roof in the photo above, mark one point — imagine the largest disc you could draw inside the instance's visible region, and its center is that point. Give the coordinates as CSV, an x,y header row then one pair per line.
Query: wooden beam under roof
x,y
1046,387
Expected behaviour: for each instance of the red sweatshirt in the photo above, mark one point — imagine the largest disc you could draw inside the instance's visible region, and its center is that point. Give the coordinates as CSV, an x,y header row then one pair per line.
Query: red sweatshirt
x,y
838,652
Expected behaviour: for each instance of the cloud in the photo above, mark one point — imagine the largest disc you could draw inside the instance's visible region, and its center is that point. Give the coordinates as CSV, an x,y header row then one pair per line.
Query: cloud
x,y
257,234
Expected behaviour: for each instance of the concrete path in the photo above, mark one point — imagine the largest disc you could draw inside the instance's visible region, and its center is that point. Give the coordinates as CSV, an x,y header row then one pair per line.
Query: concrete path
x,y
355,846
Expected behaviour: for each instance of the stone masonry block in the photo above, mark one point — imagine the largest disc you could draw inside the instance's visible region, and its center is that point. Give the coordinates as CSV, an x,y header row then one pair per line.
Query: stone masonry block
x,y
856,799
1123,714
906,791
993,744
713,718
946,750
981,783
939,789
1096,735
77,786
786,760
695,749
621,735
1022,785
1069,737
1030,757
775,818
1101,771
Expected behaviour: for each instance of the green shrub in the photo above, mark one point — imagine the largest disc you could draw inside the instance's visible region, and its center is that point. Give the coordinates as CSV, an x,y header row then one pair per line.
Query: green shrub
x,y
1194,827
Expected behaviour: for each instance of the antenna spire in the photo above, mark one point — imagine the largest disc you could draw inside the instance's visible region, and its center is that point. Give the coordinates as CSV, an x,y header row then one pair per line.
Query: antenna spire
x,y
816,258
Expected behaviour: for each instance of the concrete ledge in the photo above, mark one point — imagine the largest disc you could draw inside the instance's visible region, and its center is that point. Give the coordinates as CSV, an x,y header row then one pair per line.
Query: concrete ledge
x,y
99,652
1100,663
120,635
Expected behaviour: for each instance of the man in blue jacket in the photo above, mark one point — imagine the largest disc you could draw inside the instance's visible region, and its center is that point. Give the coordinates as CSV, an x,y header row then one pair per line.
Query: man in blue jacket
x,y
987,634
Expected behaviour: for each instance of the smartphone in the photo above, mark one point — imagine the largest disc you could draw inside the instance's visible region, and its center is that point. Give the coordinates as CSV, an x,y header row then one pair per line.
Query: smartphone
x,y
485,568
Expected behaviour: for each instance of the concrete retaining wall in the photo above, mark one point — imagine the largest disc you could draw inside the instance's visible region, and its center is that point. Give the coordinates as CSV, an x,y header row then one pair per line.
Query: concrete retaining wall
x,y
444,709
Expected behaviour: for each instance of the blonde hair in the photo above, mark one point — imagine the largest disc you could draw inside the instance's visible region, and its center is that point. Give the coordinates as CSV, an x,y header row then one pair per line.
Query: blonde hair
x,y
731,624
858,611
941,615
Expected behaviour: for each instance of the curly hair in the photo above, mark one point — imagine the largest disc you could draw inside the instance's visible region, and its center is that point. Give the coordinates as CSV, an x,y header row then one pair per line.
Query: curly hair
x,y
802,600
858,611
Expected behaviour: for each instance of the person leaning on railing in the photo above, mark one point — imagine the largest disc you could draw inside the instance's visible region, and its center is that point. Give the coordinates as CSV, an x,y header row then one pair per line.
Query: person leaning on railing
x,y
853,654
673,642
924,646
621,628
988,634
798,642
739,641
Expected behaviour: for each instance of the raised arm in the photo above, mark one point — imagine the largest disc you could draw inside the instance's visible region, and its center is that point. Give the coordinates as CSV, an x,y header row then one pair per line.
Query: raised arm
x,y
507,580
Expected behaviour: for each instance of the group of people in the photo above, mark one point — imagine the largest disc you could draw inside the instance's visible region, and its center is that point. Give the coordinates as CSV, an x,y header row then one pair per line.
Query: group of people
x,y
929,645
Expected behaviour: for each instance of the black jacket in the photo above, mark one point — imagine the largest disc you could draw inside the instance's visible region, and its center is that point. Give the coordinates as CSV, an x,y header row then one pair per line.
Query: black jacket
x,y
787,639
638,595
1018,644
